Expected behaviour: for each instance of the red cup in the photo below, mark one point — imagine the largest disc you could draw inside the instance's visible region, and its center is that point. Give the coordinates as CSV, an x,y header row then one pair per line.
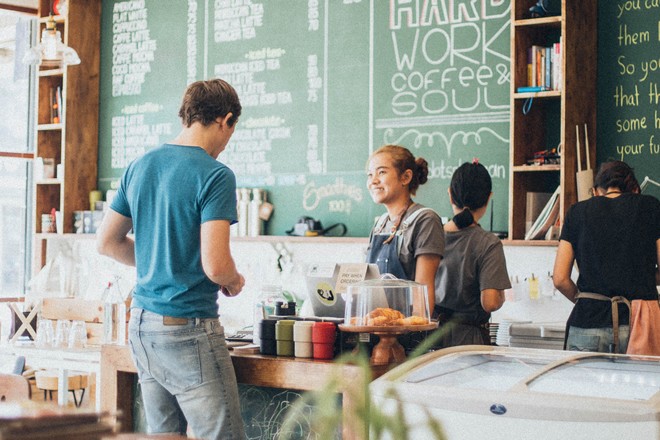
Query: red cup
x,y
323,340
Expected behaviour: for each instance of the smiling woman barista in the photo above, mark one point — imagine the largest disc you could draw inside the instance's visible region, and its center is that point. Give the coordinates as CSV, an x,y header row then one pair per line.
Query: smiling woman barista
x,y
408,240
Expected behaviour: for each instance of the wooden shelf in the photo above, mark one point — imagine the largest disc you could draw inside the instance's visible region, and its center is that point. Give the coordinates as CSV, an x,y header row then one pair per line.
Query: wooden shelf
x,y
49,127
536,22
52,181
544,94
535,168
72,142
51,72
550,121
259,239
298,239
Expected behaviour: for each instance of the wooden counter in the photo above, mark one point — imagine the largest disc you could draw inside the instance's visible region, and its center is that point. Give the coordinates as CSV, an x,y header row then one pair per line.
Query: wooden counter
x,y
118,370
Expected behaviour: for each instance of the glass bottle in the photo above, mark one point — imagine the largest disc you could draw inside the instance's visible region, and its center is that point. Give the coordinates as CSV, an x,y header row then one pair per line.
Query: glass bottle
x,y
533,288
264,306
114,315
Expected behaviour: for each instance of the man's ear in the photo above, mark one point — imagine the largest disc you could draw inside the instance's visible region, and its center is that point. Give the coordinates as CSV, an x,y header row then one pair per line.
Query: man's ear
x,y
228,120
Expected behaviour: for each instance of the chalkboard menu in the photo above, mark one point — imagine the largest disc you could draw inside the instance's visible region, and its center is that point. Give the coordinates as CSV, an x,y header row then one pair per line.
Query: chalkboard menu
x,y
629,85
323,84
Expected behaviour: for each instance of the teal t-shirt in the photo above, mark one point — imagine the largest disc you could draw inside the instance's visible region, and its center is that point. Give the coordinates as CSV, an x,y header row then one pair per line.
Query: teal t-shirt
x,y
168,193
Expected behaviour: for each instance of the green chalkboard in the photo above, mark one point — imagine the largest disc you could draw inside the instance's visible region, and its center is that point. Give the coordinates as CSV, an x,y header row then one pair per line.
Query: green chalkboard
x,y
323,84
629,86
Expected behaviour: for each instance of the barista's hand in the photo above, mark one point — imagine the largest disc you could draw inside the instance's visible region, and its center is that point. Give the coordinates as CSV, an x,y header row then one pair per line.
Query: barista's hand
x,y
234,288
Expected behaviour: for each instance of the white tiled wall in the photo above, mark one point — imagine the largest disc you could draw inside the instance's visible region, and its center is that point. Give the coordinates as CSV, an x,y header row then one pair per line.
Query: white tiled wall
x,y
258,261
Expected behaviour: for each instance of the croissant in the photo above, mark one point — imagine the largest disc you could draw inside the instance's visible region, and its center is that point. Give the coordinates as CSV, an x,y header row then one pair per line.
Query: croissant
x,y
383,316
413,320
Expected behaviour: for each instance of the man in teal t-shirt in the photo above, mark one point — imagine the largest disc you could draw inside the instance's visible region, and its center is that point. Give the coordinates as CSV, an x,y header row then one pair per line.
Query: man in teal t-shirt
x,y
180,201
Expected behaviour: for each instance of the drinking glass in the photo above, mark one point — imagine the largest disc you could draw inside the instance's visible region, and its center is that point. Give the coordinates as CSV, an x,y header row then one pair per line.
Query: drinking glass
x,y
44,333
78,335
62,333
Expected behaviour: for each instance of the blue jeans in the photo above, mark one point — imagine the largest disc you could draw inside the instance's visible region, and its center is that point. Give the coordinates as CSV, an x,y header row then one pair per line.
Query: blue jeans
x,y
596,339
186,375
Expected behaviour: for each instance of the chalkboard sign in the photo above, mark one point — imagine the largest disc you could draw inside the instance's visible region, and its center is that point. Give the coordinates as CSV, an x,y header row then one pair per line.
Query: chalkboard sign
x,y
629,85
323,84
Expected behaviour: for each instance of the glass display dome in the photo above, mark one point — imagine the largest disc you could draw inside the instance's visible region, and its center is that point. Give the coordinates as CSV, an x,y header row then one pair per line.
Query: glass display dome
x,y
386,302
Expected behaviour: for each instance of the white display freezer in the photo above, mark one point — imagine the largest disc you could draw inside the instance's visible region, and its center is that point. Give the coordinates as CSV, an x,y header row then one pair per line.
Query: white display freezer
x,y
488,393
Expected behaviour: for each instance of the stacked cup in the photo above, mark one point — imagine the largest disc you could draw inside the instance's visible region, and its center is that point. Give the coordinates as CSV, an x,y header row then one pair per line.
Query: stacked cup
x,y
284,337
78,335
45,331
302,339
323,339
267,342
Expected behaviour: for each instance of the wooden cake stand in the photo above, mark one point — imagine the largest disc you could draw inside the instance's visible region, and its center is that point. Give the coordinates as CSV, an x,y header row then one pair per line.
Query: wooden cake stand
x,y
388,350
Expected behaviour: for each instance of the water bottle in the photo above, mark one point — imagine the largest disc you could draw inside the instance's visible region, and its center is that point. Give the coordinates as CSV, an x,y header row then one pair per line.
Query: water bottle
x,y
255,223
114,315
243,211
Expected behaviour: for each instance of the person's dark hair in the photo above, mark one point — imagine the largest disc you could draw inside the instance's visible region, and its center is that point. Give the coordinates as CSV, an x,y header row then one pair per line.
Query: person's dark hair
x,y
470,188
204,101
616,174
404,160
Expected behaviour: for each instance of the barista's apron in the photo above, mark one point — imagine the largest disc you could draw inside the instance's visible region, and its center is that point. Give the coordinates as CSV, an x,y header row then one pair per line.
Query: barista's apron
x,y
460,328
614,300
384,250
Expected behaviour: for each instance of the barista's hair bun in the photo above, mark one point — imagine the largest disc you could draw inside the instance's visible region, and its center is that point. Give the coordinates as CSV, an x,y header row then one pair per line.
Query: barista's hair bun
x,y
422,170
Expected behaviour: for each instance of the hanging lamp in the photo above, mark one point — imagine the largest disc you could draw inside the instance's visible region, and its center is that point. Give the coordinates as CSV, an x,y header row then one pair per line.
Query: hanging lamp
x,y
51,51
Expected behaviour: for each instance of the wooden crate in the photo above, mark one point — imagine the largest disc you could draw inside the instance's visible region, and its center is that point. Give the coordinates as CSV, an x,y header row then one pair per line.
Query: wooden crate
x,y
79,310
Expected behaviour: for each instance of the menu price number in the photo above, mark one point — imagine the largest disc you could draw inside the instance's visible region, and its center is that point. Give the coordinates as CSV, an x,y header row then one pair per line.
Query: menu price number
x,y
343,206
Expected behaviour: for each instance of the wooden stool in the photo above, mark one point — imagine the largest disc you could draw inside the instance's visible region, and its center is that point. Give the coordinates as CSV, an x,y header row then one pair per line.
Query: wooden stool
x,y
46,380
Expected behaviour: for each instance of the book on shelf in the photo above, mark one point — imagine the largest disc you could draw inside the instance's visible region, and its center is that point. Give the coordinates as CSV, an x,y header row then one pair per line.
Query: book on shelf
x,y
535,203
531,89
547,218
530,67
547,67
58,98
556,65
55,105
543,68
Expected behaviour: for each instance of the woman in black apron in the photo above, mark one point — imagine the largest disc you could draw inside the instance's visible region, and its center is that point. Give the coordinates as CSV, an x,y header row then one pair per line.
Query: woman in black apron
x,y
407,240
615,239
473,275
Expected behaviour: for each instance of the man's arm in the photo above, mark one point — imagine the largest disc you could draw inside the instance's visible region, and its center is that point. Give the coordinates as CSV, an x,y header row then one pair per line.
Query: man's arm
x,y
217,261
112,238
561,274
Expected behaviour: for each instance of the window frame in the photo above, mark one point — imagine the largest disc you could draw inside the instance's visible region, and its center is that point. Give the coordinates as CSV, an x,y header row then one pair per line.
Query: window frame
x,y
27,156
